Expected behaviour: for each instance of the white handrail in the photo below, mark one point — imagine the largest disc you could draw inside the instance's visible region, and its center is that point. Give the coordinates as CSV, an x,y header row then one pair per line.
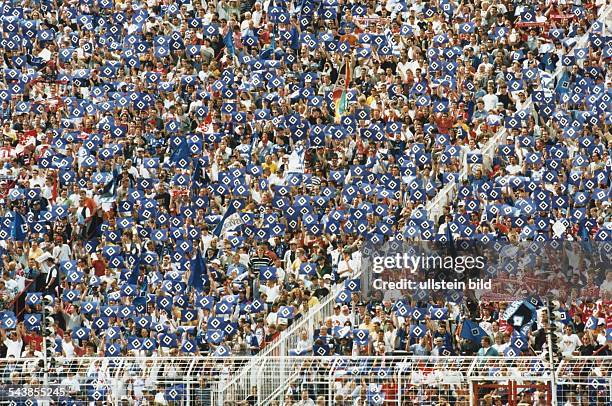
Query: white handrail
x,y
282,345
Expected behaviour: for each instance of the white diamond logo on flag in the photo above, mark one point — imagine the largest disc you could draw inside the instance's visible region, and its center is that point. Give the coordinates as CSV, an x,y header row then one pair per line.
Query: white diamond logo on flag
x,y
229,329
164,302
417,331
215,323
416,314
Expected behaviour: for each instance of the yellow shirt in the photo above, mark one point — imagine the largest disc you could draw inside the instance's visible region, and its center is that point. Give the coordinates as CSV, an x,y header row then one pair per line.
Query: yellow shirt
x,y
10,134
35,253
312,302
271,166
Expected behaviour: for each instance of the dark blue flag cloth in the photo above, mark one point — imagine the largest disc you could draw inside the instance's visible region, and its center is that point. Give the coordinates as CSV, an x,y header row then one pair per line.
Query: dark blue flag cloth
x,y
198,277
180,152
110,189
450,241
134,275
230,214
470,330
520,314
19,227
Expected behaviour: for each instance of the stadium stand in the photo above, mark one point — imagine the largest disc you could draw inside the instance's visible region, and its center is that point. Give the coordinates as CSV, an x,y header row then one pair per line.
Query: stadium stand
x,y
200,178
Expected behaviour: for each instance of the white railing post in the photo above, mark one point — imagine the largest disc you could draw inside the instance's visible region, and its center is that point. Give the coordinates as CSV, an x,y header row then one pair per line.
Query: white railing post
x,y
399,385
330,392
283,372
189,378
260,379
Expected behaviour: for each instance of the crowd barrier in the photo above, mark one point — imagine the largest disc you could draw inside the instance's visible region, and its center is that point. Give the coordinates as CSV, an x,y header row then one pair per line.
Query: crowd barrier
x,y
388,380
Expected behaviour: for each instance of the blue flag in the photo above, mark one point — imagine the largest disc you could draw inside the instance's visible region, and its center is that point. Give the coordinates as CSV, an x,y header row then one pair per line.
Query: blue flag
x,y
181,151
231,219
110,189
133,279
18,228
198,272
472,331
228,40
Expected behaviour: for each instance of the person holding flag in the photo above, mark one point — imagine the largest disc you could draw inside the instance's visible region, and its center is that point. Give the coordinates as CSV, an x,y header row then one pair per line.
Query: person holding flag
x,y
339,94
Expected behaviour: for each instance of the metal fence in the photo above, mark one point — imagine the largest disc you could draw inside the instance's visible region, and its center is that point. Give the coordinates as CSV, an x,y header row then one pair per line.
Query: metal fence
x,y
325,380
242,380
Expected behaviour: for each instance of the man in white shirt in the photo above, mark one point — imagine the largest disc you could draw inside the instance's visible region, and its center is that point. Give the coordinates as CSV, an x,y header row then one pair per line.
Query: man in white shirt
x,y
61,251
13,341
68,345
160,397
271,289
606,286
347,265
569,342
71,383
490,99
11,284
305,400
513,167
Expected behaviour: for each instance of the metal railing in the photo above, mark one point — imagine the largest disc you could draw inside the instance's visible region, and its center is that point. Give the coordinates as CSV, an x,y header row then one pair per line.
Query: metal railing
x,y
282,346
435,207
337,380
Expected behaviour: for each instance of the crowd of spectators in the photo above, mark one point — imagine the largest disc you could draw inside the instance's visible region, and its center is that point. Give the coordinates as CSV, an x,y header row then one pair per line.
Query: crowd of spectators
x,y
192,177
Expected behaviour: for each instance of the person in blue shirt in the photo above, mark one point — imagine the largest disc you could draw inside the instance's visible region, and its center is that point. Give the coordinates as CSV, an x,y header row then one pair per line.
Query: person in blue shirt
x,y
486,350
5,111
421,348
441,332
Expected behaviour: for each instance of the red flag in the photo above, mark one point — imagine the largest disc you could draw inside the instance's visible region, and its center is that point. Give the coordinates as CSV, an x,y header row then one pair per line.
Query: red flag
x,y
204,127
